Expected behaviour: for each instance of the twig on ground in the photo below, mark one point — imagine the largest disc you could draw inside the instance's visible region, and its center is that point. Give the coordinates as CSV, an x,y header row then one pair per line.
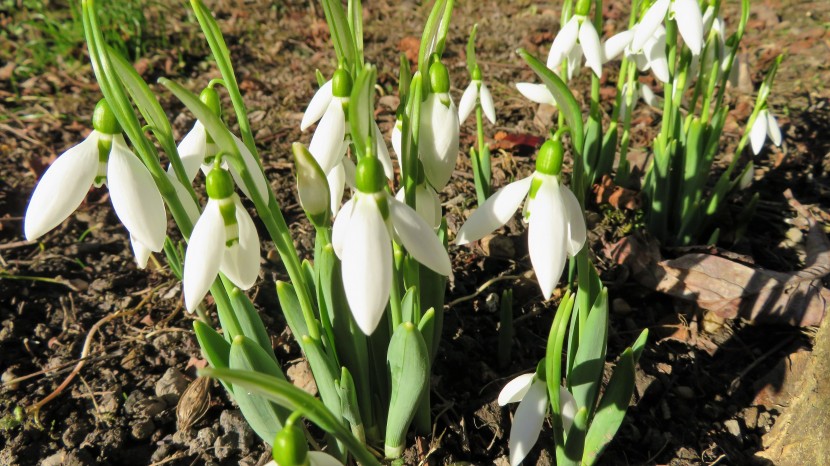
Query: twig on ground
x,y
481,289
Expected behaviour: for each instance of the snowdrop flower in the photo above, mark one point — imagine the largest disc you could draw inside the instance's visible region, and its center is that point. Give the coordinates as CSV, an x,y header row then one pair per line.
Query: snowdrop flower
x,y
362,239
685,12
576,38
439,129
538,93
427,203
224,239
652,55
556,227
765,125
102,158
290,449
643,91
531,392
312,186
396,136
476,91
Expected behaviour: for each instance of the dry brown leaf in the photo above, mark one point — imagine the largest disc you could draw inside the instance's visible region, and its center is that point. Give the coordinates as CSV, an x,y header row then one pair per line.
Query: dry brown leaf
x,y
731,289
607,192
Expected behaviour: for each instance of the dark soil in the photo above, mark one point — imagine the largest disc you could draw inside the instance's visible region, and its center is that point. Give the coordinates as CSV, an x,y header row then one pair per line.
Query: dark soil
x,y
703,391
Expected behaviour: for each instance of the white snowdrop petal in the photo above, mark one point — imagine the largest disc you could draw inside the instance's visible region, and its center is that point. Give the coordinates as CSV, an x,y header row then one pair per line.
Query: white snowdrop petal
x,y
203,255
141,252
135,197
577,232
538,93
383,154
428,205
648,95
327,143
439,138
467,102
589,40
655,52
192,151
317,106
318,458
367,258
495,212
350,170
773,130
516,389
396,138
689,23
758,133
487,105
527,422
568,408
62,188
575,61
649,23
546,240
614,46
240,263
341,227
563,43
190,206
337,185
418,238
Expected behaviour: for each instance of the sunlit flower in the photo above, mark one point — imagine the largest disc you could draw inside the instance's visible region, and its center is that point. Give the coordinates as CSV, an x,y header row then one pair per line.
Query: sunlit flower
x,y
576,38
224,239
427,203
362,239
538,93
687,15
556,227
765,125
477,91
532,394
651,55
102,158
438,143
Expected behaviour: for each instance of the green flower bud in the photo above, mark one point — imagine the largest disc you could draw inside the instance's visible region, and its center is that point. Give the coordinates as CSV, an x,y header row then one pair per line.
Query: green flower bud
x,y
312,186
369,176
219,184
439,78
583,7
549,159
103,120
210,97
341,83
290,447
476,74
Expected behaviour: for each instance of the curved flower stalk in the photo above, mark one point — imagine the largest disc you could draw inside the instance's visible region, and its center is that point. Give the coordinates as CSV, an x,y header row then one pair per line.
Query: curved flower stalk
x,y
440,126
531,392
577,38
765,125
197,150
224,239
556,227
687,15
102,158
476,91
362,239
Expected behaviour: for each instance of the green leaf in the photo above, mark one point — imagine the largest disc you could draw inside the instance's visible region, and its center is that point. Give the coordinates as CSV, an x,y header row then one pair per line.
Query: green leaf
x,y
408,362
586,376
348,403
361,110
564,98
341,36
553,363
287,395
290,305
356,27
471,49
325,373
250,323
264,416
576,439
410,306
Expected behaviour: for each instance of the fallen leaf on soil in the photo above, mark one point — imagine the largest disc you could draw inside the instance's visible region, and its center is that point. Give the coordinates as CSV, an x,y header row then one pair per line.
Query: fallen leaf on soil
x,y
410,46
731,289
607,192
508,141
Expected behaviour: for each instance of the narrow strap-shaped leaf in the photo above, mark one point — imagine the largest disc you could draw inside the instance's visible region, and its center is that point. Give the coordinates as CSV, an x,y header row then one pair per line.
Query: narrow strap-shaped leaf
x,y
586,375
431,28
348,403
410,305
361,111
215,348
341,36
471,49
408,362
290,305
250,323
355,8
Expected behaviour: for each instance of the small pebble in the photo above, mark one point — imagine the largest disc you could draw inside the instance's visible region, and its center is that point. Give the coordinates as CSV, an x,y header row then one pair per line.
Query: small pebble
x,y
733,427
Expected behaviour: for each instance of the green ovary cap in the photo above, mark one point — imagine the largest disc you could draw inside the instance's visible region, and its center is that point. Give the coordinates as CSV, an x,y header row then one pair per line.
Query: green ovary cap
x,y
219,184
103,120
290,447
369,176
439,78
210,97
341,83
582,7
549,159
476,74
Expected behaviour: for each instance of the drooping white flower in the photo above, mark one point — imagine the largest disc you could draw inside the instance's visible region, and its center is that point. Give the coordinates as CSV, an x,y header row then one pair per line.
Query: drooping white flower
x,y
577,32
102,158
538,93
224,239
532,395
652,55
556,227
477,91
765,125
362,239
440,126
427,204
685,12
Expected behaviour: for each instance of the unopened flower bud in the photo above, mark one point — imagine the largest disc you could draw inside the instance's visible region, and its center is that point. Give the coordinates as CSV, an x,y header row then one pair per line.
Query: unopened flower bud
x,y
219,184
439,78
369,176
103,120
549,159
290,447
210,97
341,83
312,186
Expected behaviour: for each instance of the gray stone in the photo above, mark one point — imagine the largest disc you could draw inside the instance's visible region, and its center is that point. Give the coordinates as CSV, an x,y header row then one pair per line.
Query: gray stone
x,y
142,429
170,386
225,445
733,427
